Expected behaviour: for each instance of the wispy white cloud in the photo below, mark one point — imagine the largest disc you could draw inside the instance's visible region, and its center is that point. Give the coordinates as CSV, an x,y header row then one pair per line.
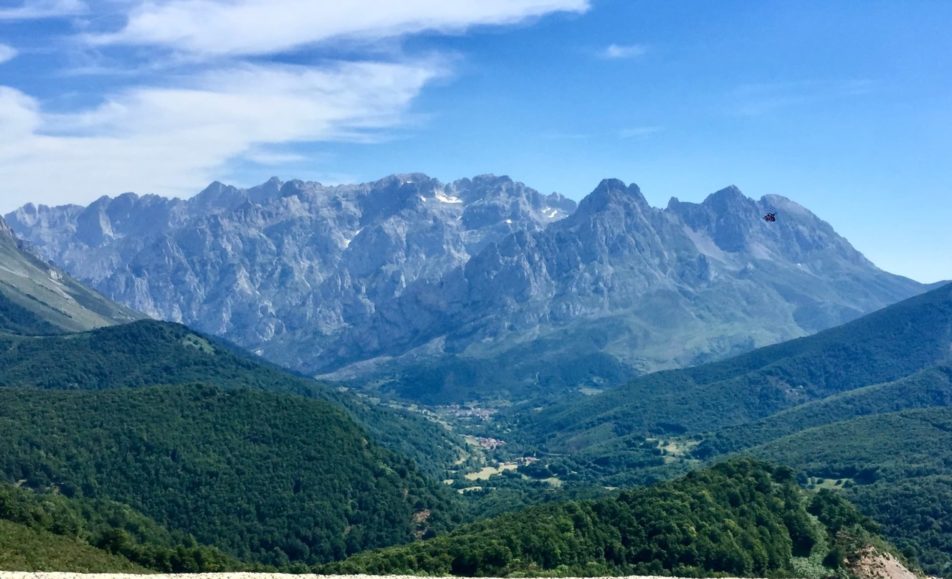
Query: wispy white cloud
x,y
35,9
19,116
209,107
623,51
7,53
638,132
248,27
757,99
268,156
167,140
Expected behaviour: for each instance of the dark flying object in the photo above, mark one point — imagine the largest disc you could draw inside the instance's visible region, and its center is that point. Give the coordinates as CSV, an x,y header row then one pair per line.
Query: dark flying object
x,y
771,217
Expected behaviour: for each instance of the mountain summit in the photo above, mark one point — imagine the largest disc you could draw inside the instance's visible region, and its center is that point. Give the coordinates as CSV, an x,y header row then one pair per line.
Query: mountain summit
x,y
417,284
616,289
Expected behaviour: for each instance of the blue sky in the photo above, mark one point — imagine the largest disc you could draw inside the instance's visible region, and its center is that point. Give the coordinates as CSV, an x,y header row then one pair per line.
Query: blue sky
x,y
845,107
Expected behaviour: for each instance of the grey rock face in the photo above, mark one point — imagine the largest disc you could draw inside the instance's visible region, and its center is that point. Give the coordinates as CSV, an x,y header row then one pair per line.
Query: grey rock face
x,y
282,262
5,230
470,288
650,288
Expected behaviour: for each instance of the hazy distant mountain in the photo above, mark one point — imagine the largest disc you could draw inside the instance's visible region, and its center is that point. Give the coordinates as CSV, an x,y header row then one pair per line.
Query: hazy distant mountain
x,y
37,298
416,284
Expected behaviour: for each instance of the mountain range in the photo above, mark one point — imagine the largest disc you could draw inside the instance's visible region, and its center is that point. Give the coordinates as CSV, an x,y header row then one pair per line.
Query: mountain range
x,y
110,434
479,288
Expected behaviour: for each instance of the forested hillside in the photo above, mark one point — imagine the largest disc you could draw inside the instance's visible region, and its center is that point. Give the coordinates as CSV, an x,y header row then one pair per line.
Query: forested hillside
x,y
148,352
885,346
49,531
927,388
824,404
896,468
739,518
265,477
26,549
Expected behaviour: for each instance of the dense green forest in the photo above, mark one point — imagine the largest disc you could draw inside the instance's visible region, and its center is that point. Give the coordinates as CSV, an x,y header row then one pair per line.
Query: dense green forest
x,y
147,352
821,404
269,478
740,518
931,387
96,534
23,548
896,468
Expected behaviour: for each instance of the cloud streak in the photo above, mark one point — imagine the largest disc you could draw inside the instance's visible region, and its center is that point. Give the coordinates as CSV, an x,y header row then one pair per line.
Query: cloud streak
x,y
759,99
623,51
255,27
37,9
210,102
168,139
7,53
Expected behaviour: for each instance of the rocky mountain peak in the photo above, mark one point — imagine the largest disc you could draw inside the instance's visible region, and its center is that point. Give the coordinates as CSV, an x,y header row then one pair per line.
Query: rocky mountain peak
x,y
267,190
218,197
321,277
728,216
731,192
489,180
612,195
730,201
92,225
405,182
274,183
559,201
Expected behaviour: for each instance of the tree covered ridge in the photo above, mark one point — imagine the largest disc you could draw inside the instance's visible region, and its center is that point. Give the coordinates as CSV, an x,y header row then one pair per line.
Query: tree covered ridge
x,y
266,478
884,346
146,353
24,548
98,525
740,517
894,466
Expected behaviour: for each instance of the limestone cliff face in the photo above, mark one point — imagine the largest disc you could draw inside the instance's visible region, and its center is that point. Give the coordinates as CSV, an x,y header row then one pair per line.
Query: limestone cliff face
x,y
408,277
282,261
650,288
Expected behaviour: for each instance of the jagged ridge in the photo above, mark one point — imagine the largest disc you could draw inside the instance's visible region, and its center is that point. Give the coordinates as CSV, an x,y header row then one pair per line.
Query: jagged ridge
x,y
420,283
